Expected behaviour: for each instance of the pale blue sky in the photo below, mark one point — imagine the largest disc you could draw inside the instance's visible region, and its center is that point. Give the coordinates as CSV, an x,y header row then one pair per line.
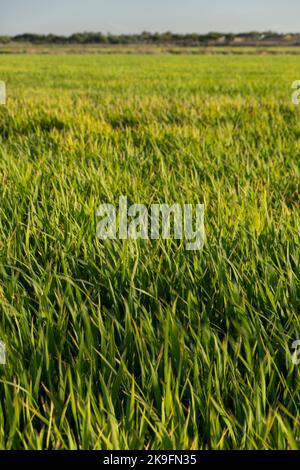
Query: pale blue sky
x,y
129,16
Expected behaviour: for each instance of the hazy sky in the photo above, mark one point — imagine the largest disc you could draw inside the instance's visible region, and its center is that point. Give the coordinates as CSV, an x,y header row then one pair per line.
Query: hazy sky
x,y
129,16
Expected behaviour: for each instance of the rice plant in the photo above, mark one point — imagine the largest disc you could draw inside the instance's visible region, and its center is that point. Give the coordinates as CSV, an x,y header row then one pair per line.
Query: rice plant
x,y
141,344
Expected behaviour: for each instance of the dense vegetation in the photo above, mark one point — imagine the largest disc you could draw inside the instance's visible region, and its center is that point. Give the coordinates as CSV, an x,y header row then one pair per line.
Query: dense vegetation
x,y
154,38
141,344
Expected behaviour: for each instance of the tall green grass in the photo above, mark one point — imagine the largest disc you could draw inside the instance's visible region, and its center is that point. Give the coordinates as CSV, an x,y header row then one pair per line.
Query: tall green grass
x,y
143,345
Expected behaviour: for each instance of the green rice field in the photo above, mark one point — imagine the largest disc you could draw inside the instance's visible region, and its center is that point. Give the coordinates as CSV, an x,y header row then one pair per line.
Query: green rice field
x,y
124,344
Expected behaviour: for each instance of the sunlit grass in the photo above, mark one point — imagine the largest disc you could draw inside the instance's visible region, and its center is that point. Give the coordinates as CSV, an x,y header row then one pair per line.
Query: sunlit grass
x,y
136,345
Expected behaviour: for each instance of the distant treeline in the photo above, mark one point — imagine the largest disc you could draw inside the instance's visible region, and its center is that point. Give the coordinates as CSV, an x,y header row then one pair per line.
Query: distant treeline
x,y
151,38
